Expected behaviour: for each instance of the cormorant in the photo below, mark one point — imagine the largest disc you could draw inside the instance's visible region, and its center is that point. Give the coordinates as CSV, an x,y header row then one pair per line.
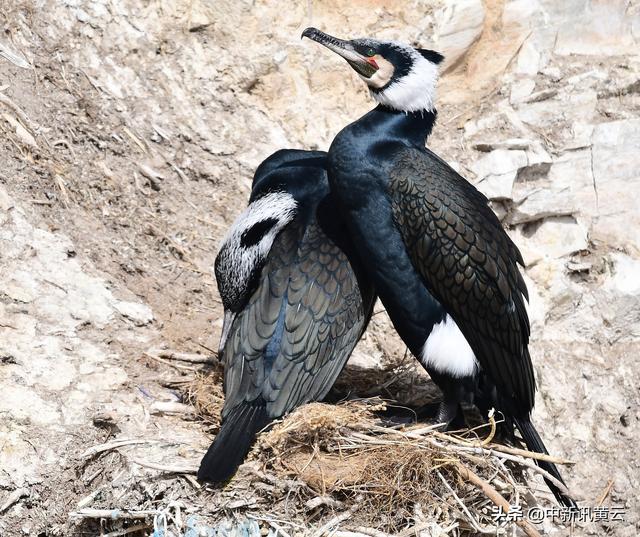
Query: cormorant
x,y
295,298
442,264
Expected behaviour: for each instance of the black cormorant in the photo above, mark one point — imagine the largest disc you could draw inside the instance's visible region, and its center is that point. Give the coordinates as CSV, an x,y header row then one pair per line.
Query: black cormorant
x,y
442,264
295,300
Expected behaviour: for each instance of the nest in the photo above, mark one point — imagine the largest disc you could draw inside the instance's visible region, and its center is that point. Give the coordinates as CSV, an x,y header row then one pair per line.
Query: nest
x,y
333,468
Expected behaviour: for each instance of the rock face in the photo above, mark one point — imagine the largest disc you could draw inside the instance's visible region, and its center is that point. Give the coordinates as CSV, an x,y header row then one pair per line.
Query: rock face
x,y
128,137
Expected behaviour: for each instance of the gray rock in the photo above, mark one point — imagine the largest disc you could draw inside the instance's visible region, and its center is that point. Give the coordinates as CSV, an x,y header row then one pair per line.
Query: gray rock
x,y
567,189
604,29
497,171
616,175
459,24
552,238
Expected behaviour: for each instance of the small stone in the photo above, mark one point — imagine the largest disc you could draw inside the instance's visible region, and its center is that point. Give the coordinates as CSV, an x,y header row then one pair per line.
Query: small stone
x,y
498,162
497,172
554,238
521,89
82,15
528,59
137,312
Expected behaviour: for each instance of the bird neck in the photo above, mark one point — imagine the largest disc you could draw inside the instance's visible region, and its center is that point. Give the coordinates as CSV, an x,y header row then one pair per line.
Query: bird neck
x,y
413,127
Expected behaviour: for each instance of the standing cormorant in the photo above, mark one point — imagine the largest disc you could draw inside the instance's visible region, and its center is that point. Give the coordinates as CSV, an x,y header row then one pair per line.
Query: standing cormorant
x,y
442,264
295,303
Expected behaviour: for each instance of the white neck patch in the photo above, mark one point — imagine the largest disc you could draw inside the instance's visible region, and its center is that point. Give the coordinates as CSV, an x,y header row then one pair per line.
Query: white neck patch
x,y
413,92
236,260
447,350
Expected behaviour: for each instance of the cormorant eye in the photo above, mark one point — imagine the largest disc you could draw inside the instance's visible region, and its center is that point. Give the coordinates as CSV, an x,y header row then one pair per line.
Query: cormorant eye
x,y
370,52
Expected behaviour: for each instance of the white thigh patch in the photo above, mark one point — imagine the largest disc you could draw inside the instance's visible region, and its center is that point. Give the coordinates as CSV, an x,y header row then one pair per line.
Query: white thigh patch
x,y
447,351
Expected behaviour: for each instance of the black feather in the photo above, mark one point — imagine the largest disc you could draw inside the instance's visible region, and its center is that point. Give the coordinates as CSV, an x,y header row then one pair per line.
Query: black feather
x,y
534,443
233,442
431,55
257,231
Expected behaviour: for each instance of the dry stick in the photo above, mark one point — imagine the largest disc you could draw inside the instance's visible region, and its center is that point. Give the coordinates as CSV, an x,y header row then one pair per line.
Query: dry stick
x,y
278,528
171,407
481,451
470,517
172,469
184,356
347,533
177,247
563,488
491,493
113,514
337,519
504,449
413,531
18,111
372,532
602,498
91,452
529,454
14,497
126,531
177,367
418,435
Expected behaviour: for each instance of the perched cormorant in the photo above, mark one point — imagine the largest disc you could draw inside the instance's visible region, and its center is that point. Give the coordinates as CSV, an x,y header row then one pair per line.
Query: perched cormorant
x,y
295,300
442,264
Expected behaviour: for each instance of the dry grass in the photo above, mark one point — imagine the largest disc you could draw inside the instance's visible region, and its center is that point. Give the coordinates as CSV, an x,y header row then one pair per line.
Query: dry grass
x,y
337,467
206,395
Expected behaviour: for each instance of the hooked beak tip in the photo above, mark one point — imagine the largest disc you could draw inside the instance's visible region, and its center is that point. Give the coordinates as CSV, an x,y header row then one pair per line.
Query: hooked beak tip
x,y
309,32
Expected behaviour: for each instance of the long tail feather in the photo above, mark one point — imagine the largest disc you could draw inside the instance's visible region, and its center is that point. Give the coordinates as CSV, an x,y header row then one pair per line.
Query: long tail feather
x,y
233,442
534,443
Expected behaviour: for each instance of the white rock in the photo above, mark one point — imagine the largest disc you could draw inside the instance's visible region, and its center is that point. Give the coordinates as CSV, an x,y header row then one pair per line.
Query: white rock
x,y
625,279
528,62
547,108
360,359
520,12
521,89
581,133
497,171
137,312
536,307
603,29
566,190
458,24
618,300
497,187
616,173
553,238
498,162
537,155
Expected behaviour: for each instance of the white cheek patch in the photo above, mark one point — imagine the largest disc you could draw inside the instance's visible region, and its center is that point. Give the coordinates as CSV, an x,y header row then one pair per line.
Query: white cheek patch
x,y
413,92
447,351
237,260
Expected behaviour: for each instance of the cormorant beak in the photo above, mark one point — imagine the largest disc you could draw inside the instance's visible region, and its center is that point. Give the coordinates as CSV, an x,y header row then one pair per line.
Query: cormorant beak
x,y
364,66
229,317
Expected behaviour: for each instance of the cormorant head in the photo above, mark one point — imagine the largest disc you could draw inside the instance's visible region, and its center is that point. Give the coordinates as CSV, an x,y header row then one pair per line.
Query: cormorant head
x,y
244,252
398,76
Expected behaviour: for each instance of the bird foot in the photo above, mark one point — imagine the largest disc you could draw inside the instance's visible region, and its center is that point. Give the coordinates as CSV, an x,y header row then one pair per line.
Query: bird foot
x,y
450,415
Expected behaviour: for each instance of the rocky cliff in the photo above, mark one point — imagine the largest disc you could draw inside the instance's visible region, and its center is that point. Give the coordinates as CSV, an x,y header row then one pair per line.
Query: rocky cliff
x,y
130,131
